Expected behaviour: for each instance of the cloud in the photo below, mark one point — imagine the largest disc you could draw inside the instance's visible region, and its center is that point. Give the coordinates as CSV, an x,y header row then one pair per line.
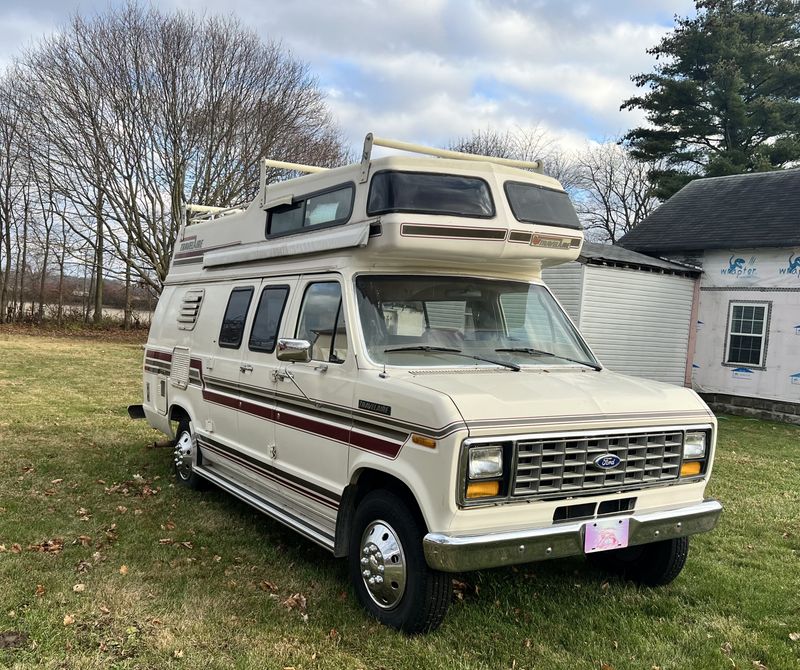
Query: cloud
x,y
432,70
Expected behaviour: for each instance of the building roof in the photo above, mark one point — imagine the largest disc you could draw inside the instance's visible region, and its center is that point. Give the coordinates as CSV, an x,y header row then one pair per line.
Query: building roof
x,y
759,209
608,254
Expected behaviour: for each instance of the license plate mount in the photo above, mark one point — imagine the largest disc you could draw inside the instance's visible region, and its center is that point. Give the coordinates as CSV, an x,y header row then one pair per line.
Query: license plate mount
x,y
605,535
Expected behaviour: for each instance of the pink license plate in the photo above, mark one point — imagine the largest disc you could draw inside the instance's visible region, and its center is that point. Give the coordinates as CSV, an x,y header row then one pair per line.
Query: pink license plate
x,y
606,534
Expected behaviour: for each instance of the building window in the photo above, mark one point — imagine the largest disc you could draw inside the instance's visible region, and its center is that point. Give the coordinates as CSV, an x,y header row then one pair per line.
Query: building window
x,y
747,333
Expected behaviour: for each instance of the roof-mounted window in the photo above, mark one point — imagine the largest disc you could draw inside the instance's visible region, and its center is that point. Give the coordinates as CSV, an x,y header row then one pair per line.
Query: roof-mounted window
x,y
331,207
429,193
531,203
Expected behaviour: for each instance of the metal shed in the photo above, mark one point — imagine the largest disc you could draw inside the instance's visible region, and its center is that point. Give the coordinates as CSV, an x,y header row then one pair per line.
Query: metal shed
x,y
635,311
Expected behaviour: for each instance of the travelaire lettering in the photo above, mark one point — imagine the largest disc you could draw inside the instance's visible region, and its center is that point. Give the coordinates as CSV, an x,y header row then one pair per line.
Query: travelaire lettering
x,y
375,407
190,246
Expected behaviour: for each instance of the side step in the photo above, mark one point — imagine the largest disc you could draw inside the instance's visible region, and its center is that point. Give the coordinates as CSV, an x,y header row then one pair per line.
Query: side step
x,y
262,505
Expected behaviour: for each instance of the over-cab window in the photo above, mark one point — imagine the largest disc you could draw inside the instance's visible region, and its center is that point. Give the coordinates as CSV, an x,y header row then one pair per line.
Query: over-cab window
x,y
321,322
429,193
230,336
264,332
532,203
331,207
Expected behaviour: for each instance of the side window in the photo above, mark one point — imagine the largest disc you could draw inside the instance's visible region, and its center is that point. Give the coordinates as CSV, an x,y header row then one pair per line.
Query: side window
x,y
328,208
268,318
747,333
230,335
321,322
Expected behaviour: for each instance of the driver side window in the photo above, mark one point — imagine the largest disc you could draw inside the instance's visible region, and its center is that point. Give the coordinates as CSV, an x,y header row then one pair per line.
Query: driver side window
x,y
322,322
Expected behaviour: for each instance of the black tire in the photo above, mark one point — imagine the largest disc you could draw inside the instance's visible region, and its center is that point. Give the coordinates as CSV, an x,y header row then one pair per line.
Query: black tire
x,y
185,445
419,603
655,564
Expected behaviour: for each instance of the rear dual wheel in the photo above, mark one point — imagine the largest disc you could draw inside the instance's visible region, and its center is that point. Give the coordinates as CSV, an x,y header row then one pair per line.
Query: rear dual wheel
x,y
391,578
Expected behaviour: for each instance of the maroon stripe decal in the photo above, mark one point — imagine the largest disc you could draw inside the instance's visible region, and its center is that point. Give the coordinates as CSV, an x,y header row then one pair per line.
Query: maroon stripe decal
x,y
159,355
345,435
375,445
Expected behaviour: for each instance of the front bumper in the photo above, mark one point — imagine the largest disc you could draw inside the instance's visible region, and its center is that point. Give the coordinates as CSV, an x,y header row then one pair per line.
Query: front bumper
x,y
461,553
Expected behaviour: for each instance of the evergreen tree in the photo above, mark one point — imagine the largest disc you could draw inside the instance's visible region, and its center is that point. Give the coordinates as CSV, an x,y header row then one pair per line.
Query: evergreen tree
x,y
724,97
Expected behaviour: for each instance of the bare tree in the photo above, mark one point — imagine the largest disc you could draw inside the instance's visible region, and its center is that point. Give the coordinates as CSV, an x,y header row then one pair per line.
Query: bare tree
x,y
144,111
614,193
524,144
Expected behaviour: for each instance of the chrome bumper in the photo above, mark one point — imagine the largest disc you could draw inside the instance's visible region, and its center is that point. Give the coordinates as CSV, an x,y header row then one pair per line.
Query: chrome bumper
x,y
461,553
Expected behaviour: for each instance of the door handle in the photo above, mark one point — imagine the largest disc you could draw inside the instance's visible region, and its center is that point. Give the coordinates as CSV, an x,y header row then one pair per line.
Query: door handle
x,y
246,368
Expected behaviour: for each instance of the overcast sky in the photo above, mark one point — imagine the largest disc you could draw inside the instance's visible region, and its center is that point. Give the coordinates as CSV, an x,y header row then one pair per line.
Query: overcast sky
x,y
432,70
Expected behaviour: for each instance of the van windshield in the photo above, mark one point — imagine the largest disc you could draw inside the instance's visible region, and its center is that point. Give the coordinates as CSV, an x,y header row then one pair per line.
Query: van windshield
x,y
430,321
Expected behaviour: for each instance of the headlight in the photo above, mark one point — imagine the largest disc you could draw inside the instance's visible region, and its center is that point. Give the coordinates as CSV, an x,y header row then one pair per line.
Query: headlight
x,y
485,462
694,445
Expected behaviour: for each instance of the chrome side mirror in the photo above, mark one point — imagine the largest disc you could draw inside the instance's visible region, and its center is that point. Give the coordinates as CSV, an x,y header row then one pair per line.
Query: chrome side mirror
x,y
293,351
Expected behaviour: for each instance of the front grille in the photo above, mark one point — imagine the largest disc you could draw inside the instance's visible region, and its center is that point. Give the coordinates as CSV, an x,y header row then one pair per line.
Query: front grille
x,y
564,464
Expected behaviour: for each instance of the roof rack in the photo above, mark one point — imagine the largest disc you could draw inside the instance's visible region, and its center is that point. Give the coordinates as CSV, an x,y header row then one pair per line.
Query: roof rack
x,y
370,140
208,213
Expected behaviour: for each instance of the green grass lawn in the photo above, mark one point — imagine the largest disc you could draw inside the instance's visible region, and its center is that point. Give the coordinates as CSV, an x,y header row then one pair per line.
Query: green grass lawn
x,y
106,563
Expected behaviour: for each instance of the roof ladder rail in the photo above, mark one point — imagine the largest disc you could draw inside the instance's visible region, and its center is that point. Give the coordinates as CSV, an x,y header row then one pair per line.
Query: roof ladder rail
x,y
370,140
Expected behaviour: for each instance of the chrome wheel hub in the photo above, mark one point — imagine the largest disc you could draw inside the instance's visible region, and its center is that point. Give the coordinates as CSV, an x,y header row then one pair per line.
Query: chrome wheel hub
x,y
183,455
383,564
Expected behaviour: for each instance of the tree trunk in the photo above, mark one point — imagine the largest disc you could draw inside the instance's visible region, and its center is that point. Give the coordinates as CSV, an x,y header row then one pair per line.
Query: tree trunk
x,y
98,263
127,319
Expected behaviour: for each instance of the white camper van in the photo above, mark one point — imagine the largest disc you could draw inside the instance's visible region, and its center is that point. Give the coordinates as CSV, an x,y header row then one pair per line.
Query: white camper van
x,y
368,355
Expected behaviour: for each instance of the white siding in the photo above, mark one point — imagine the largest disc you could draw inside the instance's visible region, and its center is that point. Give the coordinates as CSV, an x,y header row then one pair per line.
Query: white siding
x,y
566,283
638,322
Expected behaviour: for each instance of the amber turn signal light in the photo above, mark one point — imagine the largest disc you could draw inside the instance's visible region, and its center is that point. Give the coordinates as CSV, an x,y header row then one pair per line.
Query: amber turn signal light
x,y
691,468
483,489
423,441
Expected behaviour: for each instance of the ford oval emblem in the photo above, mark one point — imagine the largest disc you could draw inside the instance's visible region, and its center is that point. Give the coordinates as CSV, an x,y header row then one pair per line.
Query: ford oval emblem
x,y
607,461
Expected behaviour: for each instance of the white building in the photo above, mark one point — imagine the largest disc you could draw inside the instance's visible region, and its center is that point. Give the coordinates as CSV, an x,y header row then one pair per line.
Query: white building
x,y
634,310
744,231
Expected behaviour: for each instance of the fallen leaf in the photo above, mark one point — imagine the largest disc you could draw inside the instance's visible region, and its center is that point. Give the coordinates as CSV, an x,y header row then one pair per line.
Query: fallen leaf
x,y
333,634
84,540
69,620
267,585
53,546
758,665
81,511
2,548
217,559
123,569
726,648
137,512
122,509
794,637
39,591
166,540
16,548
169,525
188,545
12,614
606,666
12,638
79,588
83,566
178,653
295,601
526,643
56,481
104,609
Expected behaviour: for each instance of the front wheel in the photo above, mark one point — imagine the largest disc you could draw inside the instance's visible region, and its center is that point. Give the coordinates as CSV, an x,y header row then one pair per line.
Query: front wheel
x,y
388,569
184,455
654,564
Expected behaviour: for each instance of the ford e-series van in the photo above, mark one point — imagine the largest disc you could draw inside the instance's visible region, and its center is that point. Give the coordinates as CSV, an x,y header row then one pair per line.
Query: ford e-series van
x,y
368,355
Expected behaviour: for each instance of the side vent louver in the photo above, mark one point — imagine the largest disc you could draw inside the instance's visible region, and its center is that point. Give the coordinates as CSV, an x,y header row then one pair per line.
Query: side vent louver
x,y
190,308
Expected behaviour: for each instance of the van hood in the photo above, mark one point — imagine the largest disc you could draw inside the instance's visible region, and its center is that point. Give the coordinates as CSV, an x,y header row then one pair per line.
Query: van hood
x,y
504,402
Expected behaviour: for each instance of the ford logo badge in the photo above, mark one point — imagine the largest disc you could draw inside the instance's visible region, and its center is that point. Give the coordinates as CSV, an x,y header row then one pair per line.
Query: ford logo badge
x,y
607,461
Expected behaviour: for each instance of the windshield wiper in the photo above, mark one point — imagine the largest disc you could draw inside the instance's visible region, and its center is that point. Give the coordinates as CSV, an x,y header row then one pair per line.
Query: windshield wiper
x,y
541,352
458,352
